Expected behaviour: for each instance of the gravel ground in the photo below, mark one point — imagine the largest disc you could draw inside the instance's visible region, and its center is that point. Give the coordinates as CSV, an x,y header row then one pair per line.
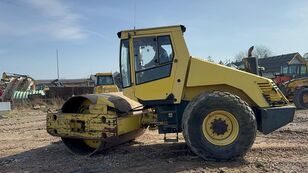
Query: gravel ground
x,y
25,146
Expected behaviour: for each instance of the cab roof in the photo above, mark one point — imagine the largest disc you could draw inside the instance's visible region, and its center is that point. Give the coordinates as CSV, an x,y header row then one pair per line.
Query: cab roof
x,y
124,33
103,74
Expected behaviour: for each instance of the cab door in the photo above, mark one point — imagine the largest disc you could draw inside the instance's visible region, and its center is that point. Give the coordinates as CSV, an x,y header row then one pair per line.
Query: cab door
x,y
153,60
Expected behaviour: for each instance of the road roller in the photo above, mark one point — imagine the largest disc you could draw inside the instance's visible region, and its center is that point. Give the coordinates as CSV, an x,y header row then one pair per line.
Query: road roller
x,y
217,108
104,83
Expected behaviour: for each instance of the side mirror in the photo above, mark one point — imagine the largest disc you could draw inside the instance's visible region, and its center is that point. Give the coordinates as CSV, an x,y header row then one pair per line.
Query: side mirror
x,y
261,69
277,74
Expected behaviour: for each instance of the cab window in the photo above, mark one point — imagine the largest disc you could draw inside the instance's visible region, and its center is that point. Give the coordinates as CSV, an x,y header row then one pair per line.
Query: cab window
x,y
153,58
164,49
104,80
125,64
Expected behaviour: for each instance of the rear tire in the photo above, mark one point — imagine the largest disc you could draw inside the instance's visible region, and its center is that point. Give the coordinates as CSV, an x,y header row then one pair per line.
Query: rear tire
x,y
229,129
300,98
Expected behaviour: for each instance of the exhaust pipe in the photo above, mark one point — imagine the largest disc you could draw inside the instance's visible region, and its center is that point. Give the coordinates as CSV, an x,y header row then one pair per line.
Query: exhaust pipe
x,y
251,63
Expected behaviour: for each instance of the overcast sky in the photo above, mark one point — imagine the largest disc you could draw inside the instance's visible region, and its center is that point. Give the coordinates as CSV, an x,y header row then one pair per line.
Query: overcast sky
x,y
85,31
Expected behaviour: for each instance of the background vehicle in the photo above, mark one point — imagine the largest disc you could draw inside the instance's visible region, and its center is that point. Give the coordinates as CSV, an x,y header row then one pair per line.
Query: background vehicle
x,y
105,83
293,82
17,87
218,108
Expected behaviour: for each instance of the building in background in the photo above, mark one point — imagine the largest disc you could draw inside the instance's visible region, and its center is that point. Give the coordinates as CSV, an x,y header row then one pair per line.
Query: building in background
x,y
272,65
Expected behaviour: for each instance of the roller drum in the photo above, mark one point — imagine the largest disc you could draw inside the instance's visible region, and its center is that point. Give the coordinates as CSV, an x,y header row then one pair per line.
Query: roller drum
x,y
81,104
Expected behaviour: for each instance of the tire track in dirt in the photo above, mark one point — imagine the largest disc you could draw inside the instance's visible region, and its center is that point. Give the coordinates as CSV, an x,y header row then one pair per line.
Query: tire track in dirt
x,y
20,121
25,146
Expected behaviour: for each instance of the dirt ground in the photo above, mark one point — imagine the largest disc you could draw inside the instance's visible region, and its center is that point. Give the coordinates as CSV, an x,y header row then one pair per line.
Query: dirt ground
x,y
26,147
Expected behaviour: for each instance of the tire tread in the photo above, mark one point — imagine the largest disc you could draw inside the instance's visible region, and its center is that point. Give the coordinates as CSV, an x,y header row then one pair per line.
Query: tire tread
x,y
246,145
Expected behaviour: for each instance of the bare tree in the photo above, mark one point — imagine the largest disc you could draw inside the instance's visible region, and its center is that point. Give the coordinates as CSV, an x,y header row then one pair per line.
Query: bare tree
x,y
209,58
261,52
238,57
227,61
258,51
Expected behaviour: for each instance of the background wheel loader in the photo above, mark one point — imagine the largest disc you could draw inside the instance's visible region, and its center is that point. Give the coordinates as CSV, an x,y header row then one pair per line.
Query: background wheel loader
x,y
218,109
293,82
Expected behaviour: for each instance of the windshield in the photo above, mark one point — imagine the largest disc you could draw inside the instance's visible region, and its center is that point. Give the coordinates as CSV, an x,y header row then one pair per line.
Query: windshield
x,y
105,80
298,69
125,64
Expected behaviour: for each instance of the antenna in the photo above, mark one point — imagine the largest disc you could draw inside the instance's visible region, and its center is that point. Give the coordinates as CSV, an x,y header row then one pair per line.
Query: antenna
x,y
58,66
134,14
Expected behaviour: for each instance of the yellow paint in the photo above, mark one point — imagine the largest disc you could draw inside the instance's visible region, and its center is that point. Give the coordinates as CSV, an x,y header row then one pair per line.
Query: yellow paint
x,y
229,136
305,98
103,74
129,123
101,105
204,73
92,143
105,89
297,83
160,89
191,92
99,89
191,76
92,123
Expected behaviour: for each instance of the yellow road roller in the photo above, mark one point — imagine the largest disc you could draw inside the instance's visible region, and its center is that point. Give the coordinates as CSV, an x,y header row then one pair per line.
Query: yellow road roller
x,y
218,109
104,83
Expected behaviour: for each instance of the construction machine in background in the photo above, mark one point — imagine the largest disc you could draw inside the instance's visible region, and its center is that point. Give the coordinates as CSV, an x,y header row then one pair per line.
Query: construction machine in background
x,y
105,83
17,87
292,79
218,109
293,82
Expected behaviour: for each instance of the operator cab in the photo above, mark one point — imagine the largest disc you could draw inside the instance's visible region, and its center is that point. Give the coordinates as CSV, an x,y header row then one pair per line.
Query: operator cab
x,y
150,58
290,71
104,79
104,83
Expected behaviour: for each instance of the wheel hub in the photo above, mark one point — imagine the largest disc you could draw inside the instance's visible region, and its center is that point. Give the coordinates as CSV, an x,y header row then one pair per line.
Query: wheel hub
x,y
305,98
219,126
